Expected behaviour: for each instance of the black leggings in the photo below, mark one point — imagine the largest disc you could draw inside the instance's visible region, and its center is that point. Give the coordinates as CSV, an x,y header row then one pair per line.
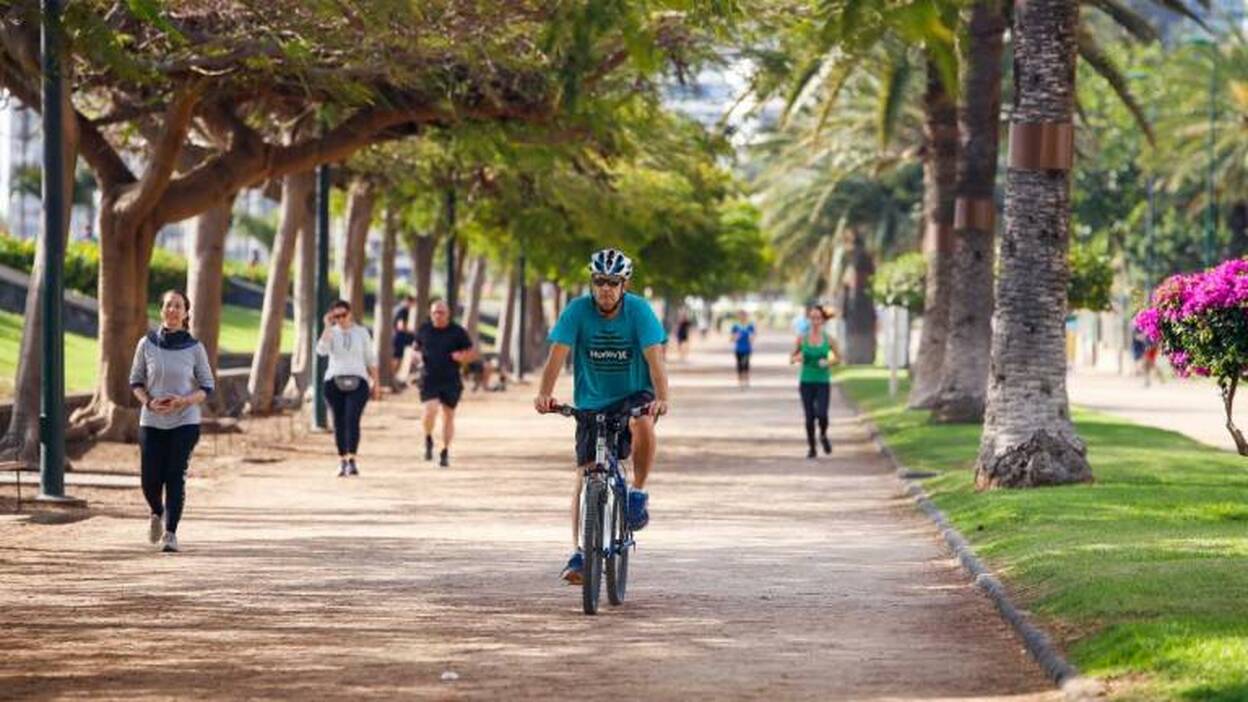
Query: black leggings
x,y
348,408
164,454
815,397
743,363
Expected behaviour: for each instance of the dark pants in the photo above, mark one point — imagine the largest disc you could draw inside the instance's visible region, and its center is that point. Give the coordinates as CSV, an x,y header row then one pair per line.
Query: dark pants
x,y
815,397
164,454
348,408
743,363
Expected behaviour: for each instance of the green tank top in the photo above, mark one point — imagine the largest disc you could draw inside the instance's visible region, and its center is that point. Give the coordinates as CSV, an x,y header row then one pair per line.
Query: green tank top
x,y
812,372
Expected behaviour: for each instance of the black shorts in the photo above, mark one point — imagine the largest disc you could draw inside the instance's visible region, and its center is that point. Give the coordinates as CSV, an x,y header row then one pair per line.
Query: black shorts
x,y
448,393
587,434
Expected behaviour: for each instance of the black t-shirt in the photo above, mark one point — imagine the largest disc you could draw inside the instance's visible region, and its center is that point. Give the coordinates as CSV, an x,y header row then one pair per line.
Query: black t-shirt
x,y
436,346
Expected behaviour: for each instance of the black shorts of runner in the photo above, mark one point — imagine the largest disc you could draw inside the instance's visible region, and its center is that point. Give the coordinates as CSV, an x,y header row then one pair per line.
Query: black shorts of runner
x,y
743,362
448,393
587,434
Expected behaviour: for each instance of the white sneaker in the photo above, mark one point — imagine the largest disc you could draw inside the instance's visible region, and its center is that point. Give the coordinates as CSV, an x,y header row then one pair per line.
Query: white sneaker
x,y
169,544
155,528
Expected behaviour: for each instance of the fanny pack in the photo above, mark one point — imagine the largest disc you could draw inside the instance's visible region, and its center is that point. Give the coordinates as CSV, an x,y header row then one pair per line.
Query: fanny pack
x,y
347,383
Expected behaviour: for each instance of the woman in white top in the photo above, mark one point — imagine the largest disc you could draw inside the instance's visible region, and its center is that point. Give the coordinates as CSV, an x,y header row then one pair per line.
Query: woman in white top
x,y
352,365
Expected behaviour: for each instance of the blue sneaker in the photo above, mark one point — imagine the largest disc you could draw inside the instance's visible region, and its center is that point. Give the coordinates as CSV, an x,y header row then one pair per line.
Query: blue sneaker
x,y
638,515
572,571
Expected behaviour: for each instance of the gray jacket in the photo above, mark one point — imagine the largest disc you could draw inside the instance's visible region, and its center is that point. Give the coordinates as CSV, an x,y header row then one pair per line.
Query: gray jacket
x,y
170,363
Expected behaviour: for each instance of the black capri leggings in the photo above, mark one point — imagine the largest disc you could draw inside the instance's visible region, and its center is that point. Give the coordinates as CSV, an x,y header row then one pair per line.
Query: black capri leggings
x,y
743,362
348,408
164,455
815,398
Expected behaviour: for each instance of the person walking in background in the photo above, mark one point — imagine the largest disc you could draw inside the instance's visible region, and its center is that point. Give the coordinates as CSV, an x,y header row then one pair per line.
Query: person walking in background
x,y
444,346
403,340
743,345
170,376
352,365
683,325
816,352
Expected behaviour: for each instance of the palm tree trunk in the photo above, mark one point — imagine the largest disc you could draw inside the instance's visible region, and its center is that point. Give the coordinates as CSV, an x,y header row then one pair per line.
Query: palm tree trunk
x,y
383,324
361,200
205,276
305,308
507,325
1028,438
475,290
21,440
964,377
857,307
939,178
297,191
423,249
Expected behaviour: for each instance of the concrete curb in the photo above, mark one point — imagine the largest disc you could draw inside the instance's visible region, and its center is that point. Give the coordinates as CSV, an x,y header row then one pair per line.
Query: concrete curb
x,y
1038,644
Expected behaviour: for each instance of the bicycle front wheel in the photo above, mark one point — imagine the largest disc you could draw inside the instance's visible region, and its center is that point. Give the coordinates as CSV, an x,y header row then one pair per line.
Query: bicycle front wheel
x,y
595,496
617,562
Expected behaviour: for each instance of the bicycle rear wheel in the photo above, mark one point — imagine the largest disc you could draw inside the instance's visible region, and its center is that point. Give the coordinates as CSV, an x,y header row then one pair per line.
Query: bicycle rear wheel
x,y
617,563
595,495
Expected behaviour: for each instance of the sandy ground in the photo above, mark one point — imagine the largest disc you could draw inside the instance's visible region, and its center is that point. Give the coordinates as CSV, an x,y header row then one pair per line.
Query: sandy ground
x,y
761,576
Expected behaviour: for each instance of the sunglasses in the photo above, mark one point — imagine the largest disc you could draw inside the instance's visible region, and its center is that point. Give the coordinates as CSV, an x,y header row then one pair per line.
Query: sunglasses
x,y
605,282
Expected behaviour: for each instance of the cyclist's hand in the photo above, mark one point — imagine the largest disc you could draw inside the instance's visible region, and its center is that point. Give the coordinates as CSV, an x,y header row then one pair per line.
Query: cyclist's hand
x,y
545,404
657,408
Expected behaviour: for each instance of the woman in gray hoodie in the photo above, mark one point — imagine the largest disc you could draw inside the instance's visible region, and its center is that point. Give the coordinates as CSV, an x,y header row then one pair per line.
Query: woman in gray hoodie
x,y
171,377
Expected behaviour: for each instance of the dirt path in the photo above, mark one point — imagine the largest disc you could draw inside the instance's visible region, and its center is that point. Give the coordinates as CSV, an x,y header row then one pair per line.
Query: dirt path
x,y
762,575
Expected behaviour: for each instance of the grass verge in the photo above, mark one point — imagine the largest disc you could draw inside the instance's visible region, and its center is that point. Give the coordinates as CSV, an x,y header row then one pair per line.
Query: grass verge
x,y
1143,575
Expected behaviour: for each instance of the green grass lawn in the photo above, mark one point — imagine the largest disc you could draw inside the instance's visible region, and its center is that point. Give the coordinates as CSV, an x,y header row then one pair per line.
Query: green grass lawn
x,y
240,329
1142,574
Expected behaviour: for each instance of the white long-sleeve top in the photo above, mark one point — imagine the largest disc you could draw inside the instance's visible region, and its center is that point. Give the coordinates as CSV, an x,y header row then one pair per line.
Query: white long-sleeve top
x,y
350,351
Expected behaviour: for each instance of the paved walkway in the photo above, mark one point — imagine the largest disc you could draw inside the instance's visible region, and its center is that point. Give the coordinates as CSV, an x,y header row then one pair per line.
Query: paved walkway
x,y
762,575
1192,407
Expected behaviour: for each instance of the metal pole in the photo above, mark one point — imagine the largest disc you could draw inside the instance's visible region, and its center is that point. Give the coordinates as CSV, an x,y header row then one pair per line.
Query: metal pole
x,y
319,419
451,287
524,327
52,405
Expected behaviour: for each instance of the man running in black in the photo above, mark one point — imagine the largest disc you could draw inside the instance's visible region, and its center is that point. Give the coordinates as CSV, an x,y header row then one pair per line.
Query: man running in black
x,y
443,345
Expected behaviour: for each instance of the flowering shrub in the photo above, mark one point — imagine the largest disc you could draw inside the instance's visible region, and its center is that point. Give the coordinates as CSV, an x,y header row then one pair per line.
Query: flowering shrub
x,y
1200,322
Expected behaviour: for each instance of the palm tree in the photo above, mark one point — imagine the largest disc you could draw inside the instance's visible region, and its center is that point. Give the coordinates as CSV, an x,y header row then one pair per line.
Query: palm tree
x,y
1028,437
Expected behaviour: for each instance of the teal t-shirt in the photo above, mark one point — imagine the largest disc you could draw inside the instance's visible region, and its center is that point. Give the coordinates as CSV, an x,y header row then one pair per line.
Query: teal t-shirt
x,y
607,360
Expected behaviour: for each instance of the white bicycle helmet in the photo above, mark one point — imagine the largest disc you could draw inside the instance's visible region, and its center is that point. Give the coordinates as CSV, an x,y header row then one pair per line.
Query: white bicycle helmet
x,y
611,262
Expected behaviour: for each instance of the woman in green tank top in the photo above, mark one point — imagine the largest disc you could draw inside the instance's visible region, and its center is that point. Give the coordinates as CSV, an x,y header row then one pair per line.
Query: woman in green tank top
x,y
816,352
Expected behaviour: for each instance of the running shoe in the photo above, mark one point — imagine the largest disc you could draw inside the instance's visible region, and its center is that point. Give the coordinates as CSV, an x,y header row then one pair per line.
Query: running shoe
x,y
351,469
572,571
638,514
444,458
827,445
428,448
342,469
169,544
812,453
155,528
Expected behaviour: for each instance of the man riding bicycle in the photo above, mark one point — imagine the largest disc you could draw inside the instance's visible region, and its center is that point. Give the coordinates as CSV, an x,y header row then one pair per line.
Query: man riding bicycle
x,y
618,365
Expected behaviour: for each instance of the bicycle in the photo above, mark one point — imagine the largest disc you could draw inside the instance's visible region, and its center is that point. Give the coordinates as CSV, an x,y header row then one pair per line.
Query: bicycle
x,y
604,509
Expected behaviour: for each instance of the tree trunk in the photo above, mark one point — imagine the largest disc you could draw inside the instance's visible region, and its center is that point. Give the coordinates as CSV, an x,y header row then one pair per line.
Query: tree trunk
x,y
461,256
1028,438
383,324
422,264
475,290
305,307
857,306
125,267
964,377
535,335
205,275
939,177
297,192
507,324
1237,221
361,199
21,440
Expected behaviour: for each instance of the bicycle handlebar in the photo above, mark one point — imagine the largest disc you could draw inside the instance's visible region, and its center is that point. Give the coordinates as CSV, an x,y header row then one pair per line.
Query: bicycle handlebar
x,y
570,411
